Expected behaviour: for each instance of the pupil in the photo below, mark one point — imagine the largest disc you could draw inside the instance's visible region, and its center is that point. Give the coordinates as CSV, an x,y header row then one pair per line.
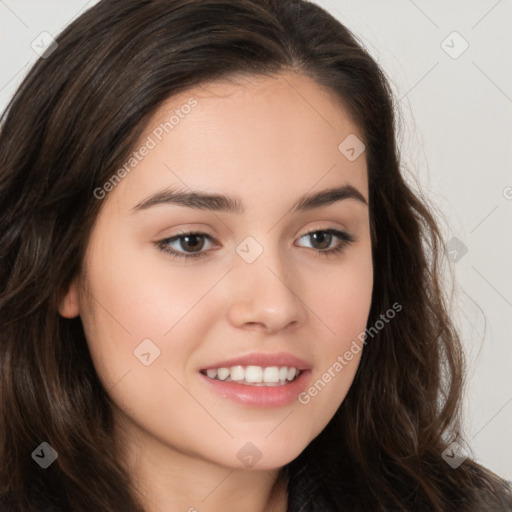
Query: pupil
x,y
322,235
195,238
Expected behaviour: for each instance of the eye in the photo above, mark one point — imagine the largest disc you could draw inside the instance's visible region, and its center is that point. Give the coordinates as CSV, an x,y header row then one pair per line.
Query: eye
x,y
325,237
194,242
187,241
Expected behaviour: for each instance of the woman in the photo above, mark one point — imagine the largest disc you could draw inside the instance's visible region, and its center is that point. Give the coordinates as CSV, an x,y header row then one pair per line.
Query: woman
x,y
252,372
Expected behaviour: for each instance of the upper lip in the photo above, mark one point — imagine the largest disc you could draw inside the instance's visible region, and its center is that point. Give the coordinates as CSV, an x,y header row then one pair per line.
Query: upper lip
x,y
262,359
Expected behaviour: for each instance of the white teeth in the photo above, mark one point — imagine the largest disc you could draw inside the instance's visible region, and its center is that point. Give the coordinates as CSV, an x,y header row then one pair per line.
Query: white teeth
x,y
291,373
255,375
237,373
222,373
271,374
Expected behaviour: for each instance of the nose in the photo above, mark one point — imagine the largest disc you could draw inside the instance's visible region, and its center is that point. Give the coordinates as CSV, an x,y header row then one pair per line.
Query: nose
x,y
266,295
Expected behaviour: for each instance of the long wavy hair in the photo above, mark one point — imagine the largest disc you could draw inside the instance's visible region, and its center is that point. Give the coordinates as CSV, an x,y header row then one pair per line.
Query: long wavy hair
x,y
73,121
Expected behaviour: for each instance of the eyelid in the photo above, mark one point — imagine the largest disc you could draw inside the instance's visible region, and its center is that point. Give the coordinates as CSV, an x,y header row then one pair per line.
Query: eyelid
x,y
204,231
322,227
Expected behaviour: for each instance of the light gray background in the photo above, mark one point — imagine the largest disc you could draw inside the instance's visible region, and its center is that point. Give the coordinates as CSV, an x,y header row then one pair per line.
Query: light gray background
x,y
455,140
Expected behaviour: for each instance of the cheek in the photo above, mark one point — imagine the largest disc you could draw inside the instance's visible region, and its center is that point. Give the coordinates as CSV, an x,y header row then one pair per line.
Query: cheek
x,y
342,304
137,326
135,296
144,320
342,299
123,307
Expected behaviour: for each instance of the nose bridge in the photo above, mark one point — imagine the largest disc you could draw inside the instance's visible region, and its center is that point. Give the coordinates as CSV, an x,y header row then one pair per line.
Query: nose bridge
x,y
263,258
265,292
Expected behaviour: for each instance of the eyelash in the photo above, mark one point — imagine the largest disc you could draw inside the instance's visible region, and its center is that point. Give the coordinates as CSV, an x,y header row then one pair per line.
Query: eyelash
x,y
344,237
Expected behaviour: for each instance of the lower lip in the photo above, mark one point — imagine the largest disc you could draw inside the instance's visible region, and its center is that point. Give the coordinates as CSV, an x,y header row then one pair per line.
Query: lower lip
x,y
260,396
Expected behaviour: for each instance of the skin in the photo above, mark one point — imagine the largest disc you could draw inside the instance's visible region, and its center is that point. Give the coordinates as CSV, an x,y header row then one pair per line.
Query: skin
x,y
268,141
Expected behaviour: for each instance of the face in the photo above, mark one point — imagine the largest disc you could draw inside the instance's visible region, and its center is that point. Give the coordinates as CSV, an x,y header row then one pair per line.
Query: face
x,y
274,282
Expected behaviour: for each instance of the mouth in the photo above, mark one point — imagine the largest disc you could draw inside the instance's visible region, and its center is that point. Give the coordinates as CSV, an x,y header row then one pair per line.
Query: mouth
x,y
257,386
251,375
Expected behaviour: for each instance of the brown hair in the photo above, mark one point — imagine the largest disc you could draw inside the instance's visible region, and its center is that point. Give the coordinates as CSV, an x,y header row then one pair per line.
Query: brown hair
x,y
73,121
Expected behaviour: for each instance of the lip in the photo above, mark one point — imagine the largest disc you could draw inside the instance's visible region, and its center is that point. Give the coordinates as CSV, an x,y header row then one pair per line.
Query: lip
x,y
260,396
262,359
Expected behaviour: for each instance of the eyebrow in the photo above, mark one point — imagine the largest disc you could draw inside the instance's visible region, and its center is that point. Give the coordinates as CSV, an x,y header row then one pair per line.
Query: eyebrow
x,y
222,203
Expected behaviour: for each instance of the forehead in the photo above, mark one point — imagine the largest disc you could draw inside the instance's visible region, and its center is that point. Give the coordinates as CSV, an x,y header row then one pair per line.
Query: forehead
x,y
248,135
286,97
